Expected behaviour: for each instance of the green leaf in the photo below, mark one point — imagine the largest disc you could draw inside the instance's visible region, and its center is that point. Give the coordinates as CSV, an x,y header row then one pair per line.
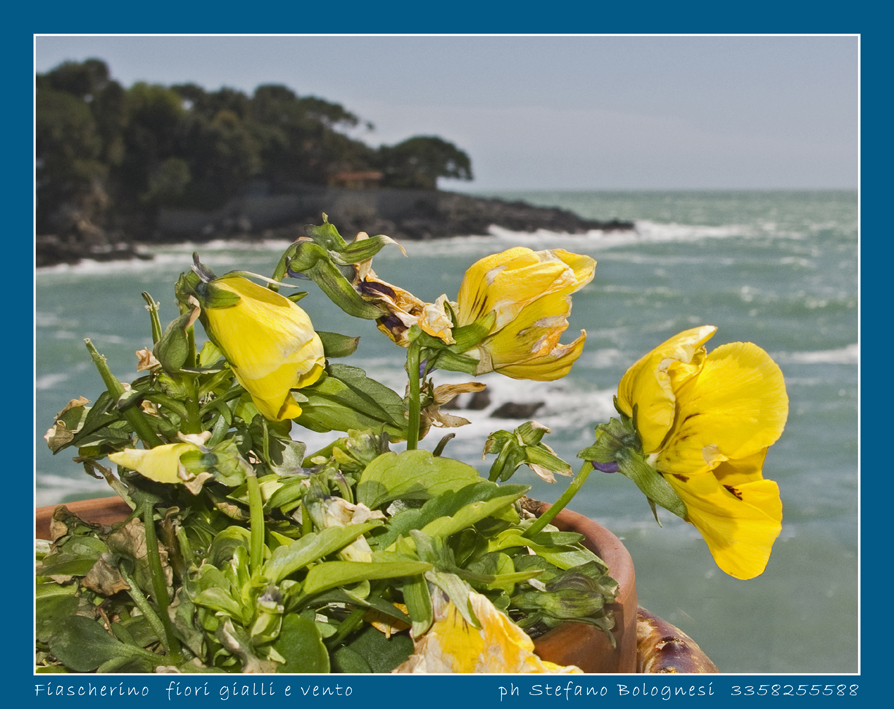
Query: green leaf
x,y
469,515
381,653
68,422
468,336
555,539
565,557
340,573
288,495
100,415
173,349
301,644
446,504
361,250
286,560
458,591
326,235
66,565
350,661
216,297
225,543
413,474
316,263
418,601
219,600
335,345
50,610
83,645
652,483
347,400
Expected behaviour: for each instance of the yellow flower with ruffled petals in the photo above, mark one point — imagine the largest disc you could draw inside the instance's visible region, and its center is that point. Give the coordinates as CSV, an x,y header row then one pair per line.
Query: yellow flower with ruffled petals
x,y
269,342
452,645
706,421
529,293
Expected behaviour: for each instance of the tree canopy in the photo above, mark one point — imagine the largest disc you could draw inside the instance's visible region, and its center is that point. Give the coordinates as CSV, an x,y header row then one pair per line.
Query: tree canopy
x,y
106,152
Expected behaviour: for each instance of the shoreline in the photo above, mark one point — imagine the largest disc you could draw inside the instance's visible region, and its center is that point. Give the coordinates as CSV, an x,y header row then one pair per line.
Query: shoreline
x,y
405,215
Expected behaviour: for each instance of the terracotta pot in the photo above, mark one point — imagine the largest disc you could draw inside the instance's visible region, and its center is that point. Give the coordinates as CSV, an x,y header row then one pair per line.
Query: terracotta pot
x,y
577,644
585,645
102,510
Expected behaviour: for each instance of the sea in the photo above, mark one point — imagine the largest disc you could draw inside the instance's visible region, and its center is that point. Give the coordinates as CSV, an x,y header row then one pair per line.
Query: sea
x,y
777,268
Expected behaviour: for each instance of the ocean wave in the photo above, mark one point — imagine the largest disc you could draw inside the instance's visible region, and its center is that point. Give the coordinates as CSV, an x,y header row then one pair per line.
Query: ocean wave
x,y
171,257
275,245
53,489
50,381
159,261
223,252
849,354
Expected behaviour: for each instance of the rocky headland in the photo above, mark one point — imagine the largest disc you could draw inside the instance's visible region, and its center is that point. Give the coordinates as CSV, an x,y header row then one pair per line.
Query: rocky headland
x,y
403,214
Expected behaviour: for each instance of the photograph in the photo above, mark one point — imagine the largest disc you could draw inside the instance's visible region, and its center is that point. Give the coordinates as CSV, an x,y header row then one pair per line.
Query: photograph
x,y
479,354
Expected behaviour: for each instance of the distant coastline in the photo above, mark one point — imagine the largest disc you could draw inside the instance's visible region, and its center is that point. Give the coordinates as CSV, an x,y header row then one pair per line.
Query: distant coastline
x,y
403,214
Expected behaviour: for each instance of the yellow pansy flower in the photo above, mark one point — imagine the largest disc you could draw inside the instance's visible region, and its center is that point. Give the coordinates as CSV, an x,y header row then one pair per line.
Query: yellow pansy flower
x,y
706,421
269,342
529,293
161,464
452,645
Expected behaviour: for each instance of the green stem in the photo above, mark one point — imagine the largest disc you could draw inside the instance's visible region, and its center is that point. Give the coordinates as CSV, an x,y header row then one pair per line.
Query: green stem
x,y
185,548
220,429
146,609
307,525
192,422
167,402
281,268
132,413
152,307
347,627
413,397
256,514
159,587
563,500
190,362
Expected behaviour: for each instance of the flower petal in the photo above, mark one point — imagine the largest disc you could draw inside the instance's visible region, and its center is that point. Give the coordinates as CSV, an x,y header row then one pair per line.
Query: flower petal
x,y
453,645
161,464
269,342
650,383
739,523
528,294
549,366
261,331
734,409
506,282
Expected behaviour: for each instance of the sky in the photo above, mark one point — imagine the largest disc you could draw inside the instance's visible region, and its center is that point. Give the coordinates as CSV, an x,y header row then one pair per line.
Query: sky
x,y
551,112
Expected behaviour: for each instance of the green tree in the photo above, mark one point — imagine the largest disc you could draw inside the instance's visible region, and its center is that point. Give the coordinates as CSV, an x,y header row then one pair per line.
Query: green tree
x,y
222,154
418,163
105,150
68,150
301,139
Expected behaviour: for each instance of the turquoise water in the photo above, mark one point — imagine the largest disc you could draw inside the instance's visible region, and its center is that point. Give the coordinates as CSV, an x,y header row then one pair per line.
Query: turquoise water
x,y
776,268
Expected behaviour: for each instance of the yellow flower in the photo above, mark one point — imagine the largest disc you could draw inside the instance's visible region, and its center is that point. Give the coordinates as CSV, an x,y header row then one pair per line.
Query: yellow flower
x,y
453,645
706,422
269,342
161,464
529,293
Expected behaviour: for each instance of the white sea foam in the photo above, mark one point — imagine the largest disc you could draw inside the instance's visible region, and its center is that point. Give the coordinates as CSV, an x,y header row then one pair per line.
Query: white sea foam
x,y
52,489
172,257
48,381
849,354
160,261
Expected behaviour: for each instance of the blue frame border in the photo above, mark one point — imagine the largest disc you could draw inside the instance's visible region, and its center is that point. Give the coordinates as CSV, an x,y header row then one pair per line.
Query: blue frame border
x,y
464,18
